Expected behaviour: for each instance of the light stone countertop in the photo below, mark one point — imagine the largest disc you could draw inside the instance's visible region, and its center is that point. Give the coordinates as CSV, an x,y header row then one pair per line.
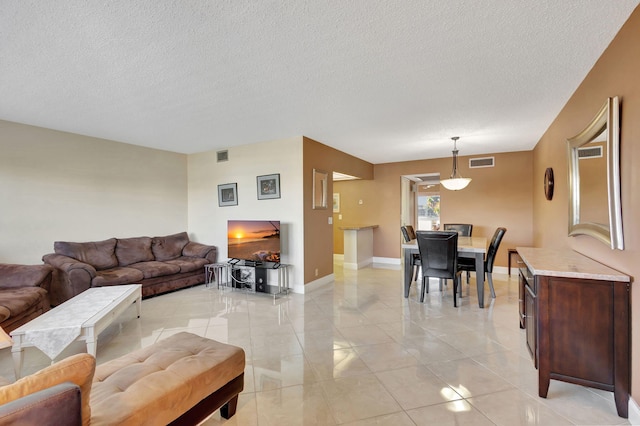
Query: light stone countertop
x,y
357,227
567,263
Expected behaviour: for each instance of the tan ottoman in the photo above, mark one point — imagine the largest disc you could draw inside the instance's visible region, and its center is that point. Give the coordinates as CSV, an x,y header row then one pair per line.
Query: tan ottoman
x,y
181,379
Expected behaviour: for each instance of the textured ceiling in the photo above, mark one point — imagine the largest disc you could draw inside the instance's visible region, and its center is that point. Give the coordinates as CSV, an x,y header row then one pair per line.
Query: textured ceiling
x,y
383,80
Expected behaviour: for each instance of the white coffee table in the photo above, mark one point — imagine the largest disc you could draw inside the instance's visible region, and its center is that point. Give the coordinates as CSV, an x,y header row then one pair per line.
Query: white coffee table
x,y
82,317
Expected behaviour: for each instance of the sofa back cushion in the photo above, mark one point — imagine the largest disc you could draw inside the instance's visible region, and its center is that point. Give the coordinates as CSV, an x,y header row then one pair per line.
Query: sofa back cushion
x,y
99,254
169,247
133,250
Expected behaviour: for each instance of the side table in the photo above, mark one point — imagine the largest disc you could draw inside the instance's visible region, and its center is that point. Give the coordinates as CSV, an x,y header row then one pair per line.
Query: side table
x,y
218,273
511,252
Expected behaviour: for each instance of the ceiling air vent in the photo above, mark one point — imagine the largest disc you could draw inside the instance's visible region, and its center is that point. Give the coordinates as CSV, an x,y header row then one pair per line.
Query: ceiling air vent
x,y
223,156
590,152
476,163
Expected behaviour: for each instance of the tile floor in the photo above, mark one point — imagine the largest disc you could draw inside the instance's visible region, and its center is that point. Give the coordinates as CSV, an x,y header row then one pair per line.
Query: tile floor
x,y
357,352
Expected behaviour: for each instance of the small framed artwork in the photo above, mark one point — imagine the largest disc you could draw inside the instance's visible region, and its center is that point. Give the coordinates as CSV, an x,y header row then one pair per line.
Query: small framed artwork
x,y
336,202
268,186
228,194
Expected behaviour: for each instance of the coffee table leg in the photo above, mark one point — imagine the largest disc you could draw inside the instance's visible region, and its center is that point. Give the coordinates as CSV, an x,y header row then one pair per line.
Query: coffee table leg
x,y
92,341
17,352
139,306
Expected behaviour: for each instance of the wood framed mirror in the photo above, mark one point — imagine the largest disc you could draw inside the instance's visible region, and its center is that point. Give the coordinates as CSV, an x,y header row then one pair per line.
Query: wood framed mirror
x,y
594,178
320,182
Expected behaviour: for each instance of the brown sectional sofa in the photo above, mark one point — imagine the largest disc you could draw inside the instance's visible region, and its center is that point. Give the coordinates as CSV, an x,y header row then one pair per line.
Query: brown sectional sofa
x,y
24,293
160,264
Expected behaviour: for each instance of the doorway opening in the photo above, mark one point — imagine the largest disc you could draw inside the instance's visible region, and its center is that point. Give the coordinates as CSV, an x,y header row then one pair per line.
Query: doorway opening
x,y
421,201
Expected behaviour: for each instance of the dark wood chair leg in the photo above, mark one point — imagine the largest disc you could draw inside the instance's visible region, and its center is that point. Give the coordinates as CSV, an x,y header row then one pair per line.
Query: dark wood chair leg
x,y
229,409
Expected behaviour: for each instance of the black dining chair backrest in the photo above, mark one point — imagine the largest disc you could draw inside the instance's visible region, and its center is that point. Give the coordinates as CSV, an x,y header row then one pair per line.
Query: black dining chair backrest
x,y
411,231
439,259
438,253
493,248
463,229
405,234
469,265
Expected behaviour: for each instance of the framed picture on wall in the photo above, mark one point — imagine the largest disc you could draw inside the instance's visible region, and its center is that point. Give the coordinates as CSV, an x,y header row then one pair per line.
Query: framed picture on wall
x,y
336,202
228,194
268,186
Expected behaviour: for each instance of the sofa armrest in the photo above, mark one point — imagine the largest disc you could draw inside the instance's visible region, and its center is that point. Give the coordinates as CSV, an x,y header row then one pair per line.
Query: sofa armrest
x,y
14,276
193,249
57,405
70,278
77,369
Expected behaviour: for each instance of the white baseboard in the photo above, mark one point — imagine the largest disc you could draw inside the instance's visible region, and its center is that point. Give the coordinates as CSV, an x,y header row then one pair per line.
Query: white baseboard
x,y
338,257
634,412
387,260
500,270
359,265
316,284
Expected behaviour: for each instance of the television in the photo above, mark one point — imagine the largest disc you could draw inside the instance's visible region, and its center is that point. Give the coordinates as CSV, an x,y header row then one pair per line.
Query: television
x,y
254,240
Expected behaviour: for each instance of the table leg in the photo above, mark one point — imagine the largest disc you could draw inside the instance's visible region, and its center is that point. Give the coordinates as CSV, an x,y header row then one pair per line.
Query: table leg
x,y
92,341
17,352
510,253
408,271
480,278
139,305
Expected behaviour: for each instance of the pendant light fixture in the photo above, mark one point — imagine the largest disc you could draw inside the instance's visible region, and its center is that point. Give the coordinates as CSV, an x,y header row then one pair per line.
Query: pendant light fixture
x,y
456,182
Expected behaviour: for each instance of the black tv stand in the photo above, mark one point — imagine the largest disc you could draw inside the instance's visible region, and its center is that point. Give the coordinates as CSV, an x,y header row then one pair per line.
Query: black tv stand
x,y
256,280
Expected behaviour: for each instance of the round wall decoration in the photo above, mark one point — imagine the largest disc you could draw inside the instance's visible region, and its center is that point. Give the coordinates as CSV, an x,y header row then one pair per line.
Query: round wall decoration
x,y
548,183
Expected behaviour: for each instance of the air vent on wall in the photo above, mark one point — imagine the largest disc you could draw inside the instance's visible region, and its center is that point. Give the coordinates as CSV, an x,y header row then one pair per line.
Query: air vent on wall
x,y
590,152
223,156
476,163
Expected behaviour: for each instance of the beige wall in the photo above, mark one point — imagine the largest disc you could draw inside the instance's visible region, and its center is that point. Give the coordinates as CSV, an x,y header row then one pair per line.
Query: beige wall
x,y
318,232
615,74
208,221
62,186
498,196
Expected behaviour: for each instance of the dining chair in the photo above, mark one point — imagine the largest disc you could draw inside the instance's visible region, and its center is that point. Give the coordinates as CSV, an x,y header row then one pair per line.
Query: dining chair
x,y
415,258
411,231
463,229
439,259
405,234
488,261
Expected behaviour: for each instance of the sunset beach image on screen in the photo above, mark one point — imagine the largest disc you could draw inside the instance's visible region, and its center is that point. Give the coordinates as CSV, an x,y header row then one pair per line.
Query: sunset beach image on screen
x,y
254,240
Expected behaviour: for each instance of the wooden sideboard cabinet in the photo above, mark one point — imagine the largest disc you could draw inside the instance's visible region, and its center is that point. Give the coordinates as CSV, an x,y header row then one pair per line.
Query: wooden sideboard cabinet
x,y
576,315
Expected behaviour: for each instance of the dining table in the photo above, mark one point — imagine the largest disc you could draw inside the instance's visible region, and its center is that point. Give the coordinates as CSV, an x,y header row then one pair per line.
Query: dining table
x,y
469,247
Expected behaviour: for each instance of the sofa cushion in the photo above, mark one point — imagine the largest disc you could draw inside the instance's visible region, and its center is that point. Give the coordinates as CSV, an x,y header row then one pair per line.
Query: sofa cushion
x,y
117,276
188,264
77,369
156,269
133,250
169,247
23,275
99,254
18,300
